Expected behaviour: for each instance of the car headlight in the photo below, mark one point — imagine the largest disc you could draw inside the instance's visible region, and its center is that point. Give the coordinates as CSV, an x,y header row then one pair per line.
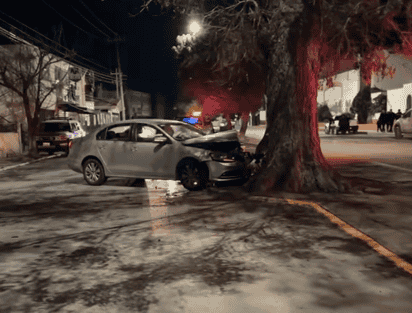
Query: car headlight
x,y
221,157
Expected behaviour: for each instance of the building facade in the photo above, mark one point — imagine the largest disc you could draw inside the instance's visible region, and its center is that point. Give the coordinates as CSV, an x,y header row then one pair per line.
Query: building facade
x,y
137,104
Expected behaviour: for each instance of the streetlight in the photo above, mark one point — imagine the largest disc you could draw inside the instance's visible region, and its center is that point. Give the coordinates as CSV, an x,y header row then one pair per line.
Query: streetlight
x,y
195,27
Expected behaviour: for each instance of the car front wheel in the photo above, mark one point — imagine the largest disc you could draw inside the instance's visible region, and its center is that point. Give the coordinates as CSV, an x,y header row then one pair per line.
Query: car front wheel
x,y
398,133
193,176
93,172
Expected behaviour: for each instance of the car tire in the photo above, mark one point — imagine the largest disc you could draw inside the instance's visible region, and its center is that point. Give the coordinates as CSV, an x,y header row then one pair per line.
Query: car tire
x,y
93,172
193,176
398,132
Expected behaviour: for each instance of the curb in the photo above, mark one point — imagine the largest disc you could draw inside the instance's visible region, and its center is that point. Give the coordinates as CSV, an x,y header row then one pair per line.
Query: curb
x,y
354,232
349,229
26,163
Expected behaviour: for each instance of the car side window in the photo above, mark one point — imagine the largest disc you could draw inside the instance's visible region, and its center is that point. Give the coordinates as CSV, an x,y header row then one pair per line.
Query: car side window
x,y
75,126
145,133
118,132
101,135
408,114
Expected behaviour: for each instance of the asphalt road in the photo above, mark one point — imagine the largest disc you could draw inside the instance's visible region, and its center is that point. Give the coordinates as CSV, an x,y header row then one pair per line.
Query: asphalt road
x,y
150,246
379,148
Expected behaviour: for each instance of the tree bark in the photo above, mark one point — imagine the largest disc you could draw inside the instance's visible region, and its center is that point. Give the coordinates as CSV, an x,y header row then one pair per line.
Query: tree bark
x,y
293,160
244,118
229,121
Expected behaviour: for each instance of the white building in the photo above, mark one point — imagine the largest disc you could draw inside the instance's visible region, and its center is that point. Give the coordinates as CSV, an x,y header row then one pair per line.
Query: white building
x,y
399,88
68,98
346,86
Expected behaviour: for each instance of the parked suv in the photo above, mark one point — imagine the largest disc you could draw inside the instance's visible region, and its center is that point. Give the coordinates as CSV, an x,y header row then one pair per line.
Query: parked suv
x,y
57,135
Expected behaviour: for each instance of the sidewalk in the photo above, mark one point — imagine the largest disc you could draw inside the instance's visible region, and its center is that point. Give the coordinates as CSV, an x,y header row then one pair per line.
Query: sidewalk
x,y
21,160
257,132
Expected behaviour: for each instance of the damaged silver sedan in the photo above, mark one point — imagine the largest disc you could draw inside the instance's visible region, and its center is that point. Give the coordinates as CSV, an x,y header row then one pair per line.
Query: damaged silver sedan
x,y
159,149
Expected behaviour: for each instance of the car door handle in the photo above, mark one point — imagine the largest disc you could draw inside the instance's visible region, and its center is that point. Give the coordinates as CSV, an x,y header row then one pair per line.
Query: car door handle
x,y
102,147
135,149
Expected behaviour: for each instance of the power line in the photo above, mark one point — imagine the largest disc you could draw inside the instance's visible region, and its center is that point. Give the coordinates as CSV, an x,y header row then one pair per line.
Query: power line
x,y
91,23
100,76
7,34
69,20
46,38
98,18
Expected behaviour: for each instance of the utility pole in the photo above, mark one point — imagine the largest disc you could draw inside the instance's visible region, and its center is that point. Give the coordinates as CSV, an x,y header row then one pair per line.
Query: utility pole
x,y
117,86
119,77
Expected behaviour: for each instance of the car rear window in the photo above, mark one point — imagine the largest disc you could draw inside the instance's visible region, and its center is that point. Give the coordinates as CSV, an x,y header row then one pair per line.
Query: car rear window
x,y
55,127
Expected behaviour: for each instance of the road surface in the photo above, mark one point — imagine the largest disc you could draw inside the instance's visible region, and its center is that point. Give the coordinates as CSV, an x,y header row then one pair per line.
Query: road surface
x,y
150,246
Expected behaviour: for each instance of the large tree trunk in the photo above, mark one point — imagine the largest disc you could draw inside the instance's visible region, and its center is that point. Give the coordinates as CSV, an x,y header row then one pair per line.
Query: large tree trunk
x,y
293,160
32,133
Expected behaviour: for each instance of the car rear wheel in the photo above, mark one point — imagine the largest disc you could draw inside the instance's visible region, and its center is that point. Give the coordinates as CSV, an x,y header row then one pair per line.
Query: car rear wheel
x,y
193,176
398,133
93,172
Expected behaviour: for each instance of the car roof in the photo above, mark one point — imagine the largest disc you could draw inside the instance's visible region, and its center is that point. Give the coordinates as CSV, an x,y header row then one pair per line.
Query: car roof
x,y
59,121
156,121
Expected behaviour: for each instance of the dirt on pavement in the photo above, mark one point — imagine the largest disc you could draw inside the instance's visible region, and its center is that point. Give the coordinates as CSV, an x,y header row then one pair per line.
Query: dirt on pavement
x,y
219,250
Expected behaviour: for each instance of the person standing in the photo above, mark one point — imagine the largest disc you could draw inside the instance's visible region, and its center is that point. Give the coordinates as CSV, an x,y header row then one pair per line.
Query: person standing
x,y
382,121
390,120
398,114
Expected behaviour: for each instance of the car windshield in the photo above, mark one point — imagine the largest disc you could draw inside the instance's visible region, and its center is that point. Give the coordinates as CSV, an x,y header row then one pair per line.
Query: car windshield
x,y
55,127
182,131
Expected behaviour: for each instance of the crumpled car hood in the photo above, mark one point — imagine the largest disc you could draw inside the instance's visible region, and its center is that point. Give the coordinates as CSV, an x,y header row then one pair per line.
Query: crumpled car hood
x,y
224,141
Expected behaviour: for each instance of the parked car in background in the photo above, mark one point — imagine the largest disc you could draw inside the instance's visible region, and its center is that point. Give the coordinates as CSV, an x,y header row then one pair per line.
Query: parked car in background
x,y
346,124
159,149
219,123
330,126
403,126
58,134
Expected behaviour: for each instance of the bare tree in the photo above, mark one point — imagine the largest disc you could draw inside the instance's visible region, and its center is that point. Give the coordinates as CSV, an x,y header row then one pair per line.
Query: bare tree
x,y
25,72
286,44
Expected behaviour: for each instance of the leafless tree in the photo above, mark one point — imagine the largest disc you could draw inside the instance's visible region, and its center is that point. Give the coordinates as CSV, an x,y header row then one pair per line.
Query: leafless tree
x,y
25,73
288,45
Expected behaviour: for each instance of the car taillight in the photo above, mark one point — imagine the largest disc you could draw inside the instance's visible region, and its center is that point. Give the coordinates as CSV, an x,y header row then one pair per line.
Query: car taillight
x,y
63,137
70,144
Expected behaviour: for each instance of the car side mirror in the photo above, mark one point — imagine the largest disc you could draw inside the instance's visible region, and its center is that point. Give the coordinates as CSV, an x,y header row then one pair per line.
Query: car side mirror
x,y
160,139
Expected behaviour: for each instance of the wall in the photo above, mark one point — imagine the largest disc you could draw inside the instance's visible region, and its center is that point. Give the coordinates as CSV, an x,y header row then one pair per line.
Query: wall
x,y
349,83
398,87
9,142
138,103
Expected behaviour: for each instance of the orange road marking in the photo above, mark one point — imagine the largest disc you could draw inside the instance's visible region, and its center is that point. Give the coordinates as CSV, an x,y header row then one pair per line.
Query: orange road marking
x,y
358,234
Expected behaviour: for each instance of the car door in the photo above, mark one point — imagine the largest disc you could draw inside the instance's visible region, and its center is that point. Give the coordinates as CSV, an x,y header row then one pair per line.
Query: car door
x,y
112,147
406,122
150,159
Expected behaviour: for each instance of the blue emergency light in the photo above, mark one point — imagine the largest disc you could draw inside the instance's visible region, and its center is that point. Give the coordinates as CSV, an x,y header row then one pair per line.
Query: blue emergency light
x,y
190,120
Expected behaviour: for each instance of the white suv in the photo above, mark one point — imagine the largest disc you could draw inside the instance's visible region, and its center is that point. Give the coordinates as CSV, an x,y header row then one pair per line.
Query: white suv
x,y
58,134
403,126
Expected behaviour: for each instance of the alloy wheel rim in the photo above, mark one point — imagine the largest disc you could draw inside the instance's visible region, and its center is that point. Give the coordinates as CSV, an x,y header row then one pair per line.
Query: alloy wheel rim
x,y
190,176
92,172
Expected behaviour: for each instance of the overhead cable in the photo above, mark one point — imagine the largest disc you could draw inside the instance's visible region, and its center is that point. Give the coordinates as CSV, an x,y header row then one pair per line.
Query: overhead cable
x,y
68,20
98,18
16,39
91,23
46,38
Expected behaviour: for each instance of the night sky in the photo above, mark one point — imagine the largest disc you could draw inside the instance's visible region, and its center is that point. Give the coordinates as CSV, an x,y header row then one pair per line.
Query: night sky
x,y
146,55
